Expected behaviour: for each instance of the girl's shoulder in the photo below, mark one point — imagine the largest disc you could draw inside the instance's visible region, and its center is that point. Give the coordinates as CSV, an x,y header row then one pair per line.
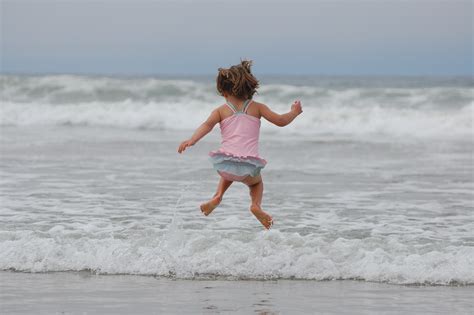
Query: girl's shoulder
x,y
224,111
223,108
254,109
257,104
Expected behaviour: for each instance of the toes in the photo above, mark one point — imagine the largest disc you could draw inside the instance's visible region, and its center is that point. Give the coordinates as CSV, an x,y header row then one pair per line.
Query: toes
x,y
207,208
204,210
269,224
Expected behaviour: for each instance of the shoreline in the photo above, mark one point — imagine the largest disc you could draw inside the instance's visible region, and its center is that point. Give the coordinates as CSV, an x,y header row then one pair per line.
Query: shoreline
x,y
91,273
85,292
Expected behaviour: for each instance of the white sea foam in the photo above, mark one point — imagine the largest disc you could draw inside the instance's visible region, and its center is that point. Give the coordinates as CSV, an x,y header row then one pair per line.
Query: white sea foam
x,y
184,104
263,255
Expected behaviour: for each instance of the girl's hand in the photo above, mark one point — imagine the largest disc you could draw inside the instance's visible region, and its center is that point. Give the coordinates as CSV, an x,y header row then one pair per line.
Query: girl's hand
x,y
184,145
296,107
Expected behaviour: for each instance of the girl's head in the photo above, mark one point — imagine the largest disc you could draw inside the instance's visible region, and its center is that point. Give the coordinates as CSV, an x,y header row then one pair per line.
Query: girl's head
x,y
237,81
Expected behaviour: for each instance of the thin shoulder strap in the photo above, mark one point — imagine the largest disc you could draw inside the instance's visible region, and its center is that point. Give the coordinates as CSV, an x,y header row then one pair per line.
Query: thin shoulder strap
x,y
247,105
231,106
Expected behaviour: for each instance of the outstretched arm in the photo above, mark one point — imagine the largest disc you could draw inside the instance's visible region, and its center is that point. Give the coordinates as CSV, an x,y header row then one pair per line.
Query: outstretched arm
x,y
201,131
283,119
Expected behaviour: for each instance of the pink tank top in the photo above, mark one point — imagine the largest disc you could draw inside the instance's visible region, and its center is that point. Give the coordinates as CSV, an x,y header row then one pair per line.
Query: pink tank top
x,y
240,132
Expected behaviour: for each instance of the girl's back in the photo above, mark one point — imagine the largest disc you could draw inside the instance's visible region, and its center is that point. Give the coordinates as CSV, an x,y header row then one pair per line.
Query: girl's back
x,y
240,131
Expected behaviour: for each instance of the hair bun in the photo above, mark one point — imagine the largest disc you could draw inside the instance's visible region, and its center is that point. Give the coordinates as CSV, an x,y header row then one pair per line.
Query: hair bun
x,y
224,72
246,64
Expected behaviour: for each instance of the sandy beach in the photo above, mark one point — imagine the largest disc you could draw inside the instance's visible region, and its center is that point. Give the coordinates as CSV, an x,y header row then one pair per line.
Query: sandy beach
x,y
86,293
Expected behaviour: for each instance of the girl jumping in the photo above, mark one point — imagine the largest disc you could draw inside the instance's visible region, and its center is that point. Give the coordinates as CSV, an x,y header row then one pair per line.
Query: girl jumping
x,y
237,159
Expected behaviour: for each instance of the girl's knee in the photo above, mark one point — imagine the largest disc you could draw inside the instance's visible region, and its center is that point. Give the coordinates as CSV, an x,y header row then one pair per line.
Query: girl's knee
x,y
252,181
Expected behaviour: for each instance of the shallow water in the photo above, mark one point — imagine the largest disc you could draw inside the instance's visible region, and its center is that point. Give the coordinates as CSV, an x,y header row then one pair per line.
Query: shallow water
x,y
123,201
374,181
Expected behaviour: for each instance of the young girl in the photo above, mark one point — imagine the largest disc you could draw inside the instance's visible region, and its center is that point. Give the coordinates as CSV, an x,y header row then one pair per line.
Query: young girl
x,y
239,119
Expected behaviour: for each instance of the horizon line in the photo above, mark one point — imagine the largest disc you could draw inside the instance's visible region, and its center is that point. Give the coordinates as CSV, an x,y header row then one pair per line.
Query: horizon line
x,y
119,74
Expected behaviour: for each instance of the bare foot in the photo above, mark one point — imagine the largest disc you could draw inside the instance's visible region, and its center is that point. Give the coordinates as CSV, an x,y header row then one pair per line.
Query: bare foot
x,y
207,207
262,216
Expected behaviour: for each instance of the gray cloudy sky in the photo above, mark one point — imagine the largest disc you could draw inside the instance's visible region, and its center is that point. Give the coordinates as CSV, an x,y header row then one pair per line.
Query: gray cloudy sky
x,y
418,37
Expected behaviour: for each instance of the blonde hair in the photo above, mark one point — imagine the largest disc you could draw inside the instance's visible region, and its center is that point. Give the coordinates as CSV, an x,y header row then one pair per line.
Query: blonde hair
x,y
237,80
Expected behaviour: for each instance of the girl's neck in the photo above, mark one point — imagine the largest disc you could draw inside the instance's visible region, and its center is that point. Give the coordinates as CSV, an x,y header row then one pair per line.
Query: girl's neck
x,y
234,100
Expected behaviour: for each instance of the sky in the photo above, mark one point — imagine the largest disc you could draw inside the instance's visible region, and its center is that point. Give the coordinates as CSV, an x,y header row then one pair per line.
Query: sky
x,y
184,37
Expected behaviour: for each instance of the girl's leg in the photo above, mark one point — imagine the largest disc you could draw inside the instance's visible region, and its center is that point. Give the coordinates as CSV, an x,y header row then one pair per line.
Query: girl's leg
x,y
207,207
256,193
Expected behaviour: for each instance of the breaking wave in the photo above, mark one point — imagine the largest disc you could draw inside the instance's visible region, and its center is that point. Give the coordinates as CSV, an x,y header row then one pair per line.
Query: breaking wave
x,y
172,104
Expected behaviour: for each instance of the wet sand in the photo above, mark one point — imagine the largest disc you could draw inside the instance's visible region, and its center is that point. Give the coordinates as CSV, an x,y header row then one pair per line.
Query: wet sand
x,y
86,293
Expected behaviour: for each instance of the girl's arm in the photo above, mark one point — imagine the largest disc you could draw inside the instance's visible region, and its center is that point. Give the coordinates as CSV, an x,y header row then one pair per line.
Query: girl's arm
x,y
202,130
283,119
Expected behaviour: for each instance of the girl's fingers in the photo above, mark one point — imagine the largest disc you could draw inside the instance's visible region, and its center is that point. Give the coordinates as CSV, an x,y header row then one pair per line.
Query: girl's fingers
x,y
181,148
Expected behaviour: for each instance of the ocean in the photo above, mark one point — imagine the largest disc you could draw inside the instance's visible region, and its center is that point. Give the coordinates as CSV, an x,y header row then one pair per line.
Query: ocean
x,y
373,182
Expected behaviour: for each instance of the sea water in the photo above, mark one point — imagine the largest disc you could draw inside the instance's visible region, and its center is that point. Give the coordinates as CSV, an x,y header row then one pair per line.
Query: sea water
x,y
374,181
